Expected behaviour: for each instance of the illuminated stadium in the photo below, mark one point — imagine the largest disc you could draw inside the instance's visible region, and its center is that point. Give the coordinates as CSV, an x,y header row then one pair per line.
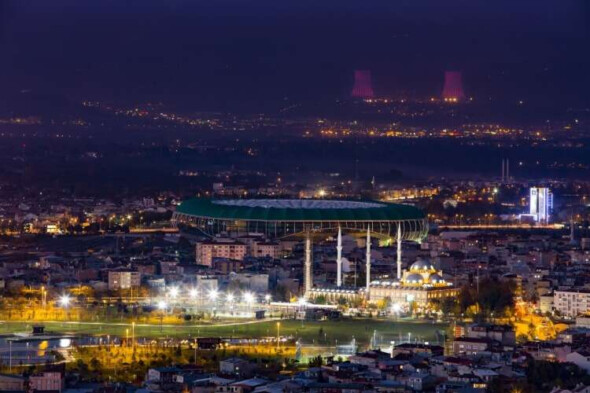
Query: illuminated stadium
x,y
283,218
280,218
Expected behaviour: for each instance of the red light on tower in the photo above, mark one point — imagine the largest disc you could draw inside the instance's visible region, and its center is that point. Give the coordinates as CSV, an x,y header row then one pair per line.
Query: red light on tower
x,y
363,85
453,87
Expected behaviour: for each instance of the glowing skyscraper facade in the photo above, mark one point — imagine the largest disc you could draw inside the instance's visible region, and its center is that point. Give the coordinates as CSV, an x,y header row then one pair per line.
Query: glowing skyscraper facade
x,y
540,204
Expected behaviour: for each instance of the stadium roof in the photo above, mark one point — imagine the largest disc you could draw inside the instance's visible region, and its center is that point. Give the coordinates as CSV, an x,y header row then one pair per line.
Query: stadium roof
x,y
298,210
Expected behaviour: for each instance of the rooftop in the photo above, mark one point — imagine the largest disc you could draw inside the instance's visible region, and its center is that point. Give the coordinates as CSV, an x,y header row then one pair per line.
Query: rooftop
x,y
298,210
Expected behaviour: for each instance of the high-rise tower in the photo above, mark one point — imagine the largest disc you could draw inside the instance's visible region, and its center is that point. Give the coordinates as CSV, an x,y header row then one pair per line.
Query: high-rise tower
x,y
540,204
363,85
453,87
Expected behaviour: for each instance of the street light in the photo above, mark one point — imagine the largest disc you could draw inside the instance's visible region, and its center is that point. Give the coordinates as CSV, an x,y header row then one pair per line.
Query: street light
x,y
213,294
193,293
64,301
162,306
43,296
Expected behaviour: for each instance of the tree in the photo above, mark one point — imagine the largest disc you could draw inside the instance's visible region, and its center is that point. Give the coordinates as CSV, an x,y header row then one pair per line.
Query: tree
x,y
321,299
544,375
448,305
316,361
532,331
95,364
495,297
384,304
465,299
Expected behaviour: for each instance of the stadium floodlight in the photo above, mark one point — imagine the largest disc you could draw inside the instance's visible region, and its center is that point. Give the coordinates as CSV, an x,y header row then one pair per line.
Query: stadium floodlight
x,y
249,297
213,294
64,301
174,292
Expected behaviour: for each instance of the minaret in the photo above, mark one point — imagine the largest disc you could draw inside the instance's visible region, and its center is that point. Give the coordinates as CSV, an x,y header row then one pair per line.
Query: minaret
x,y
368,257
572,231
308,281
507,170
399,251
339,259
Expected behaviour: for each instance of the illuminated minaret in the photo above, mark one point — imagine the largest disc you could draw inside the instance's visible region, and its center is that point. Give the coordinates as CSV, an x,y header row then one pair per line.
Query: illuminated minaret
x,y
307,279
399,251
363,85
368,257
339,259
453,87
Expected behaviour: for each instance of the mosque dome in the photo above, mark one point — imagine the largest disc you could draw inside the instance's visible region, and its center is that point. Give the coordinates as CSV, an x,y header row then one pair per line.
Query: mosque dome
x,y
422,265
414,279
436,279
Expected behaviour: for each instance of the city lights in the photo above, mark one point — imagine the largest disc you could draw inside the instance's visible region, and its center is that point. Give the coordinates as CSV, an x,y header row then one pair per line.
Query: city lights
x,y
219,199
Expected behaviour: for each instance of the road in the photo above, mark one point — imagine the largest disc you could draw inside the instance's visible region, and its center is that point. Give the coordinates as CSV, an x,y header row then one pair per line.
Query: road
x,y
555,227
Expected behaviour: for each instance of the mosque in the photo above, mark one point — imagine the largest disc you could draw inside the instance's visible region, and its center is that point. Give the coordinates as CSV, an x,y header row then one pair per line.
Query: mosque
x,y
420,284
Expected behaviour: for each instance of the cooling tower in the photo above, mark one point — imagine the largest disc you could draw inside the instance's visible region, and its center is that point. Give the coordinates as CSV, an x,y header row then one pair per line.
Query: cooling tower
x,y
363,86
453,87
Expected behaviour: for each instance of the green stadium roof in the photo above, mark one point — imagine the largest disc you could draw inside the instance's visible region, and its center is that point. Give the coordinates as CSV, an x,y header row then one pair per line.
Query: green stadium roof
x,y
297,210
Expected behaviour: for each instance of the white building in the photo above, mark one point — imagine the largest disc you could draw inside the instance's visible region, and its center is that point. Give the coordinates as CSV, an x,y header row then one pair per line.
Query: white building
x,y
207,284
583,322
119,279
253,282
266,249
205,252
571,303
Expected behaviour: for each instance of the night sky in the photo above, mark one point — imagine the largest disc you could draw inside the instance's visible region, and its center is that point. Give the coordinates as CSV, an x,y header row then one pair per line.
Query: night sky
x,y
221,53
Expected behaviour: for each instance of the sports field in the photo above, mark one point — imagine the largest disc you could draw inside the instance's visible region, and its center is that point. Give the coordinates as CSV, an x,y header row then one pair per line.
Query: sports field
x,y
318,332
